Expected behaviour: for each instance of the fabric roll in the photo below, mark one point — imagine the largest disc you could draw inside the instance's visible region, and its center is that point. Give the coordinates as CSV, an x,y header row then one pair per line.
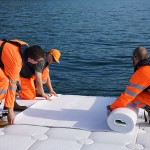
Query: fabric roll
x,y
123,120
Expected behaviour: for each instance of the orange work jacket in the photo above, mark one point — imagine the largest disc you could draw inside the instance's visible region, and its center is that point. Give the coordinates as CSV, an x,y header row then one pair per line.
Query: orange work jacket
x,y
135,91
9,75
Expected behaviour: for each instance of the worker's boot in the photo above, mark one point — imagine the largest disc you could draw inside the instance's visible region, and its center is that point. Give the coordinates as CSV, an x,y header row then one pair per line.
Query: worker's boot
x,y
18,107
3,123
3,118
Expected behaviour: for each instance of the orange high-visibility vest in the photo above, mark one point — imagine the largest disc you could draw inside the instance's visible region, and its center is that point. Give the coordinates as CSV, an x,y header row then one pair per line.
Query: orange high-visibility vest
x,y
9,73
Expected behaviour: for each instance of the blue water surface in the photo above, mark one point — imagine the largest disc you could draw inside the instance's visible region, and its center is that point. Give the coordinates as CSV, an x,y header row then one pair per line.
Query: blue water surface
x,y
96,39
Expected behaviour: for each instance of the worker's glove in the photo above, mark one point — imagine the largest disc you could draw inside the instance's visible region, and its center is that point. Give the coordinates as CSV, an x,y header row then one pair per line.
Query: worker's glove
x,y
108,110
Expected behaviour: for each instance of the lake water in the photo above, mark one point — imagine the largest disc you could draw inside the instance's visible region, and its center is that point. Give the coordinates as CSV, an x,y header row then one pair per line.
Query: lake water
x,y
96,39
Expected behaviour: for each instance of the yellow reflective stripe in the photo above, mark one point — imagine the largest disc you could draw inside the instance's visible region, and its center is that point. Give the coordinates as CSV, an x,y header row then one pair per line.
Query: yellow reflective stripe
x,y
137,86
13,88
130,93
3,91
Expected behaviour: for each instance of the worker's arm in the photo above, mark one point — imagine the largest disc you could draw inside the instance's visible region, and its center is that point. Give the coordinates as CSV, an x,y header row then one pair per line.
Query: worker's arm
x,y
49,85
39,85
139,81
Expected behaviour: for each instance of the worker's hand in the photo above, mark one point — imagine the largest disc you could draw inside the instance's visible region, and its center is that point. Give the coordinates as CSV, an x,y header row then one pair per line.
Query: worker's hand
x,y
47,97
10,116
52,92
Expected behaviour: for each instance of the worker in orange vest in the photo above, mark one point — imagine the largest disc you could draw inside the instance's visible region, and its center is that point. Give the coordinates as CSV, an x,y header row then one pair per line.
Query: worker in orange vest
x,y
14,54
137,91
33,78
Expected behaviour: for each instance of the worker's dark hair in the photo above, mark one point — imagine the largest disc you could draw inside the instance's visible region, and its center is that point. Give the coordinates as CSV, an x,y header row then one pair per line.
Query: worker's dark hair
x,y
35,52
141,53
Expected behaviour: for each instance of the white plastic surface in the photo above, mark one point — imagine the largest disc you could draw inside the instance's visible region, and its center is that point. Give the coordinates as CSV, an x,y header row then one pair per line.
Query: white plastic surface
x,y
83,112
31,137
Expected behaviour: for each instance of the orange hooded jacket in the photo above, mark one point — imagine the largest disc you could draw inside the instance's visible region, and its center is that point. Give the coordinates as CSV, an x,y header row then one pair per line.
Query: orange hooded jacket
x,y
9,75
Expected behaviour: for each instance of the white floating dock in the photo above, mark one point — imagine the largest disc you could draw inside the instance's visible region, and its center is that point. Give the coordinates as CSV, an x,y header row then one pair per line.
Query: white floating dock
x,y
70,122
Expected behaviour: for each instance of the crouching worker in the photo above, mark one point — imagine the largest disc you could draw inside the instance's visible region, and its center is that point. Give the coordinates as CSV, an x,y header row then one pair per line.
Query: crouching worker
x,y
14,54
33,77
137,91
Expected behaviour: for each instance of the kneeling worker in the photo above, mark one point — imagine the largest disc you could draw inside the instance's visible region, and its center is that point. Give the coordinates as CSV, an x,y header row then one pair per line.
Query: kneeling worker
x,y
33,77
138,90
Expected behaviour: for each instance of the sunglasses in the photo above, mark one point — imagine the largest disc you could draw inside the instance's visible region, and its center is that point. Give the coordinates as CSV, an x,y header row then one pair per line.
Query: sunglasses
x,y
38,60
